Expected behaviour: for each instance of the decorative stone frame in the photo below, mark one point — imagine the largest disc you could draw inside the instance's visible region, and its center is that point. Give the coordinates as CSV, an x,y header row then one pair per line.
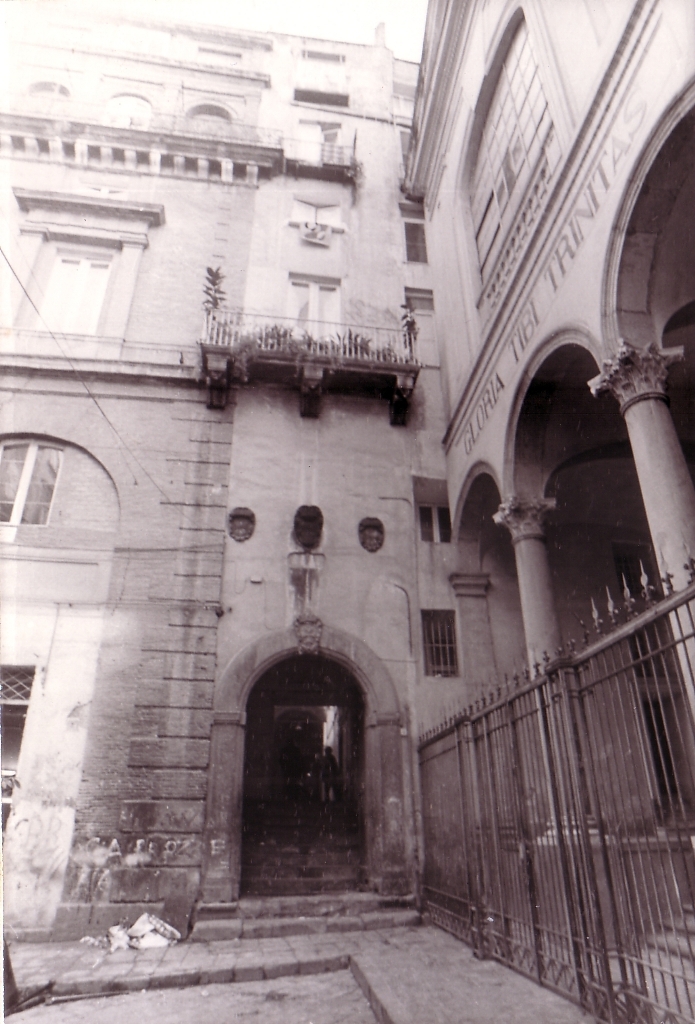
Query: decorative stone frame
x,y
80,220
387,822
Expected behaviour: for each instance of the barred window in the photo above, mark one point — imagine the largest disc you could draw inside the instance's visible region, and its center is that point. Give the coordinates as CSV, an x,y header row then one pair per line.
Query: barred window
x,y
439,642
15,690
517,130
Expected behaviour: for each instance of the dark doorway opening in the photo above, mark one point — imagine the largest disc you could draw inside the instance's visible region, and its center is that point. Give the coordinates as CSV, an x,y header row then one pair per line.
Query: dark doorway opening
x,y
303,780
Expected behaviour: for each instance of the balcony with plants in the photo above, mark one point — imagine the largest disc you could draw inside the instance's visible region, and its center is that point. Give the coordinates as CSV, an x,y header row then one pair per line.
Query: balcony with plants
x,y
239,347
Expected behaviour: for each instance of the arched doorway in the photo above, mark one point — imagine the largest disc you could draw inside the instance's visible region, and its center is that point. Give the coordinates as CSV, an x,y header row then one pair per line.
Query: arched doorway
x,y
303,806
386,822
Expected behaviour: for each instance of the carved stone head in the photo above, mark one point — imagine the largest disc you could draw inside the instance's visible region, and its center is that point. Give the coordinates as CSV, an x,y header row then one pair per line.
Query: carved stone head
x,y
308,629
242,523
371,532
308,524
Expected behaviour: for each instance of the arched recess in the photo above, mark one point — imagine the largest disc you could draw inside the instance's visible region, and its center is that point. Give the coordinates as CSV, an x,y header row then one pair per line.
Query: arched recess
x,y
573,449
486,586
649,291
648,269
386,823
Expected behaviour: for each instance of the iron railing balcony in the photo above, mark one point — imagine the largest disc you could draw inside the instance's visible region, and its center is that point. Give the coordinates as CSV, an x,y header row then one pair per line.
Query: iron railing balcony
x,y
316,356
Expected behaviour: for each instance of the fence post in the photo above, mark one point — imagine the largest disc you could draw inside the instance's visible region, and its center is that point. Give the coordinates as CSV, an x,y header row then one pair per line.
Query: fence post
x,y
470,821
588,796
526,840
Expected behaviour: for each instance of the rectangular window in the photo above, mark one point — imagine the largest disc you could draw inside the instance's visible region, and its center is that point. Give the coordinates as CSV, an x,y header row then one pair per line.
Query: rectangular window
x,y
75,293
439,641
328,99
419,299
315,305
435,524
28,473
15,691
415,246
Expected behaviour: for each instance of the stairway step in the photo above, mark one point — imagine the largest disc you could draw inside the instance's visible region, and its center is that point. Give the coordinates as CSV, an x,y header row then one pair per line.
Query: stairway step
x,y
277,927
299,886
269,872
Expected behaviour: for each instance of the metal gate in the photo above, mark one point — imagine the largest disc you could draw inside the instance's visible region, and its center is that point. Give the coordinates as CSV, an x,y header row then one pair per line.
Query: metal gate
x,y
560,822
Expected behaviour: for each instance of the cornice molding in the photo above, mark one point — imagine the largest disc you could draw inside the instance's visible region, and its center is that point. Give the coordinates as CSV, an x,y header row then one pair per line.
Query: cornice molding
x,y
61,202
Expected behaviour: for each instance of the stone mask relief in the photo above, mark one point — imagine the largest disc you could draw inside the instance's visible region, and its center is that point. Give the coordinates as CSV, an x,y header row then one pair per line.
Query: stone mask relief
x,y
242,523
371,533
308,525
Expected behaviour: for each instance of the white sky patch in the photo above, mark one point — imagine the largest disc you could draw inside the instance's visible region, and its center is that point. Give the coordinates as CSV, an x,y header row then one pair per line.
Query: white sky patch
x,y
353,22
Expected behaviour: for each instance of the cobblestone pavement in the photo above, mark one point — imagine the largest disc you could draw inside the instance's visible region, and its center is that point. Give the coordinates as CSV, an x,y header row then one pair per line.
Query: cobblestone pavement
x,y
317,999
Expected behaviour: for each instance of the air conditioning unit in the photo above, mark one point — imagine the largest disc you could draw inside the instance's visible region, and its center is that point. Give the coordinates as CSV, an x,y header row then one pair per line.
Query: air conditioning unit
x,y
317,234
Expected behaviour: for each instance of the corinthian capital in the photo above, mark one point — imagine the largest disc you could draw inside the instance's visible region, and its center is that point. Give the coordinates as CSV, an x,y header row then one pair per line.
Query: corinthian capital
x,y
525,520
635,374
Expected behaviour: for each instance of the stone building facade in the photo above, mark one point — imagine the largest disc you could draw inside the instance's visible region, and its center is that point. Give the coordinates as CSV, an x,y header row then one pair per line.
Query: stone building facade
x,y
557,170
220,526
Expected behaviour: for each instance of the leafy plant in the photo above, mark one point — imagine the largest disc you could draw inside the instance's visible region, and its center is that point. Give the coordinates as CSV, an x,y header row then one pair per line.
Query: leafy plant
x,y
213,290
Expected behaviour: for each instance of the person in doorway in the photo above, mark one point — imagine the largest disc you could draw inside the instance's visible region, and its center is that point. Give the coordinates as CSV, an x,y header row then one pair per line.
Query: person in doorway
x,y
330,775
292,765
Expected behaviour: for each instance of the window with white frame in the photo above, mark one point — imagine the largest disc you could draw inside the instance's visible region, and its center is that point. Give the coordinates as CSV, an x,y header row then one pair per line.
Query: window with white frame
x,y
319,142
28,474
435,524
517,136
75,293
414,227
315,304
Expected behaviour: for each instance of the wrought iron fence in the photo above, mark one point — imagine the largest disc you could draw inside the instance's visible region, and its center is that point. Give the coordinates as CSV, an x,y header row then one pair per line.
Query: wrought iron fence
x,y
560,822
240,330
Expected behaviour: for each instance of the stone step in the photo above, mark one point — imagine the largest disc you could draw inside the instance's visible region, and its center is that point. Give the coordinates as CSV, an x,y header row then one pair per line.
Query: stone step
x,y
300,886
211,930
255,872
301,857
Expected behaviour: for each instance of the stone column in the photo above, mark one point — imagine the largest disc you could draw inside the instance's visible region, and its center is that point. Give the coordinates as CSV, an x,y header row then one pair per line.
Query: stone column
x,y
476,634
525,522
637,378
222,834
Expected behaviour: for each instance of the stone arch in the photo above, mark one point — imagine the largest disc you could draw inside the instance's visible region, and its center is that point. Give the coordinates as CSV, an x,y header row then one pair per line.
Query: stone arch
x,y
569,336
386,822
245,669
613,325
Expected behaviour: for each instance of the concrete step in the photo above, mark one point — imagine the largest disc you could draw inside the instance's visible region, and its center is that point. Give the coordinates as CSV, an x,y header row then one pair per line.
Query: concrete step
x,y
276,927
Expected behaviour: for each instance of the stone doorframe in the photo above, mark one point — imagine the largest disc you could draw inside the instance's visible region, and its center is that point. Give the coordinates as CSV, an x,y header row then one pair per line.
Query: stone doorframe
x,y
385,822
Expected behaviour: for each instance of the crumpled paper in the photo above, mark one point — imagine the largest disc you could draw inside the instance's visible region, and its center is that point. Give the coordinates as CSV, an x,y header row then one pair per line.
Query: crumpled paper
x,y
148,932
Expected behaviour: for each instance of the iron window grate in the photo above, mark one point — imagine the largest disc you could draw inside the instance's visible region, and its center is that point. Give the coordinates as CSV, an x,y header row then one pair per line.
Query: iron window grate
x,y
15,683
439,641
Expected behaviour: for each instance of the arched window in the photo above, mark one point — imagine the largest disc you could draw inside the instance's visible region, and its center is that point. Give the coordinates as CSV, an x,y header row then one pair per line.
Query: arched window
x,y
516,151
55,88
127,111
209,111
28,473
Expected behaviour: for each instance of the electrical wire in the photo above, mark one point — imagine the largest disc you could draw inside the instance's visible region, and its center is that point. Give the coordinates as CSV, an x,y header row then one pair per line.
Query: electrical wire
x,y
84,384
